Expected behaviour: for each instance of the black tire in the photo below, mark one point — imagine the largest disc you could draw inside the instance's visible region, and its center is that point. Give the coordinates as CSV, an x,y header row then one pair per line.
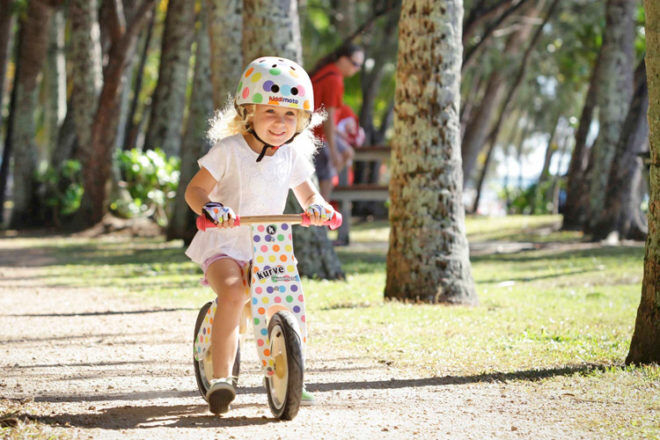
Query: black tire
x,y
284,387
198,366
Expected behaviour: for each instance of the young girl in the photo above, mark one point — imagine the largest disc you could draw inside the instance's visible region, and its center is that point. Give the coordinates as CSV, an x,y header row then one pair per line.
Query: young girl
x,y
264,148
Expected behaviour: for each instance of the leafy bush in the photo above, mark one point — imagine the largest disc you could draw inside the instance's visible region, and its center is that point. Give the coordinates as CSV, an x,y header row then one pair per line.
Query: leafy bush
x,y
61,190
151,179
534,199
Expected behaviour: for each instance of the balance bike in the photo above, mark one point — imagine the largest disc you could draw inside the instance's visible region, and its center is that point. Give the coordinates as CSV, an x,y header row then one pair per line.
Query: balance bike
x,y
277,311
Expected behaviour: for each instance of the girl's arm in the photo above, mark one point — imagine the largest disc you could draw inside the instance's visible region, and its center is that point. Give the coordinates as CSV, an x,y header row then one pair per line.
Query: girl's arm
x,y
198,190
307,196
197,197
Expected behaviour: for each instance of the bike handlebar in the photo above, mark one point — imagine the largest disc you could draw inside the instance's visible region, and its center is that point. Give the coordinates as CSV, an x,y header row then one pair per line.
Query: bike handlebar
x,y
335,222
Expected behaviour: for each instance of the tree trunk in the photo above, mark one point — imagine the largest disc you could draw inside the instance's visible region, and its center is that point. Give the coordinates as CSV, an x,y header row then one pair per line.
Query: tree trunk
x,y
576,183
55,82
271,29
131,128
97,164
276,31
386,122
34,44
67,139
195,142
169,99
618,214
633,224
472,90
645,344
85,61
6,24
84,57
482,177
9,136
517,147
553,192
615,91
428,256
225,29
550,149
124,107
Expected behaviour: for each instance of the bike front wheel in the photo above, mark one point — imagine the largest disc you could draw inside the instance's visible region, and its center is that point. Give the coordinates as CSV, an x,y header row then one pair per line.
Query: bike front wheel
x,y
284,385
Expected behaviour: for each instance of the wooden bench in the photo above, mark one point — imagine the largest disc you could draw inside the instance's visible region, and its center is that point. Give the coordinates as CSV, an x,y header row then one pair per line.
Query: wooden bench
x,y
346,194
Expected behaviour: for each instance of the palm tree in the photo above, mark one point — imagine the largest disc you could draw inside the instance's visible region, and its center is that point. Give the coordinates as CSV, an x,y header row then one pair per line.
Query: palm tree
x,y
615,91
428,257
31,57
169,99
645,344
195,142
97,155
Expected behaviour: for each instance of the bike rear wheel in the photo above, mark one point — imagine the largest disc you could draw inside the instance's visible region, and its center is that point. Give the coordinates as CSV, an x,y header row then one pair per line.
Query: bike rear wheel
x,y
284,386
204,368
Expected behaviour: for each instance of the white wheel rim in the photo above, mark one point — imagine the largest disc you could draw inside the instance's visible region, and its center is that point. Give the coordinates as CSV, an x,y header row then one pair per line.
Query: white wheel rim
x,y
279,380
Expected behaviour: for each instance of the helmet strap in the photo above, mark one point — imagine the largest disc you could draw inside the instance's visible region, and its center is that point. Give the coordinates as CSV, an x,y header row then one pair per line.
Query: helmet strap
x,y
266,145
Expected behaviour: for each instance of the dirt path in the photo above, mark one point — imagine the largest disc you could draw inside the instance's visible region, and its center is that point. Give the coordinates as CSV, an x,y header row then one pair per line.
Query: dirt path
x,y
97,366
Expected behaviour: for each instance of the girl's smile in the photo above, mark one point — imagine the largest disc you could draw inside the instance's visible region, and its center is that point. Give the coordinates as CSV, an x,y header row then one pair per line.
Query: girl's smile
x,y
274,125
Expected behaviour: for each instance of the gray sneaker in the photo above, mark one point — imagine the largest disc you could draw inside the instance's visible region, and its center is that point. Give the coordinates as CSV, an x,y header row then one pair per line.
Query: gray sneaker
x,y
220,394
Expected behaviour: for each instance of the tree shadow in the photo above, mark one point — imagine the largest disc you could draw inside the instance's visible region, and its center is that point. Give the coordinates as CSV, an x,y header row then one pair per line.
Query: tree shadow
x,y
362,262
105,397
196,415
622,252
536,278
104,313
90,254
70,337
524,375
89,364
152,416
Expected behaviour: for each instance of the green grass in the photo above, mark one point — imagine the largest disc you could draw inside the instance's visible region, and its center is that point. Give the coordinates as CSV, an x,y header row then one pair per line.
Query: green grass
x,y
559,314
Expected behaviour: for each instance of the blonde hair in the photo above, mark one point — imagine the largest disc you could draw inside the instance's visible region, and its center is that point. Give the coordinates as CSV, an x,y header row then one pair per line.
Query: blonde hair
x,y
232,120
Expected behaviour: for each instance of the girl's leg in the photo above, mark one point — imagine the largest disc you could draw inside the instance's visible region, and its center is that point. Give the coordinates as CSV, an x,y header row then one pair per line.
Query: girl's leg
x,y
225,276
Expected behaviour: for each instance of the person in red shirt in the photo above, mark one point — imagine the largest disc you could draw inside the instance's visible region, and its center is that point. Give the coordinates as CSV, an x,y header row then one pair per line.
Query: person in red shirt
x,y
328,83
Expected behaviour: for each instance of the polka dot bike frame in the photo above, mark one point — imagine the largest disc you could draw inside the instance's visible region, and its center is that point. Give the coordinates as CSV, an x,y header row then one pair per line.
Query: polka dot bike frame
x,y
275,283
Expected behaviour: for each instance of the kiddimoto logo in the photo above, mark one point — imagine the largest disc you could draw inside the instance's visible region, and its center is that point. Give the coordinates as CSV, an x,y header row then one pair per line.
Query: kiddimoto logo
x,y
283,99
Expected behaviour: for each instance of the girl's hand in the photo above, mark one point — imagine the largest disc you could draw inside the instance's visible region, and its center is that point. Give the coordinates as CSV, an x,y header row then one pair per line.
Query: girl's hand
x,y
219,214
319,213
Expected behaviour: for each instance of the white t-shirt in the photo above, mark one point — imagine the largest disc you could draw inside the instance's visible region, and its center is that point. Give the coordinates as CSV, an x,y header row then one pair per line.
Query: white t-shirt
x,y
249,188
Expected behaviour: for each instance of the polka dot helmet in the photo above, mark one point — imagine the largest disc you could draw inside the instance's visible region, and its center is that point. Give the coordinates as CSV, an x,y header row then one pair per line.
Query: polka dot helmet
x,y
276,81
